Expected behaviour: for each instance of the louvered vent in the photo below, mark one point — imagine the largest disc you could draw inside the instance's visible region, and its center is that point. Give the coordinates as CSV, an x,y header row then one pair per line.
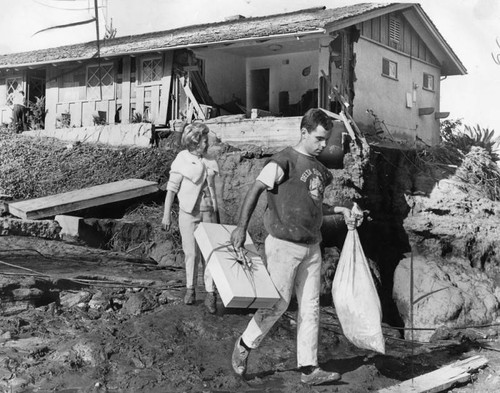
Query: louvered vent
x,y
394,29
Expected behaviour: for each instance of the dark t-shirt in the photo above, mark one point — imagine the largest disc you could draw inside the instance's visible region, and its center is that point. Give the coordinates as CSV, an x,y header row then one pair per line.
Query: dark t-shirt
x,y
294,206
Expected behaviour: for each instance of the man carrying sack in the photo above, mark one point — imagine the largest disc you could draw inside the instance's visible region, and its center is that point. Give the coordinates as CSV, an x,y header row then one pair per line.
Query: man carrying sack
x,y
295,182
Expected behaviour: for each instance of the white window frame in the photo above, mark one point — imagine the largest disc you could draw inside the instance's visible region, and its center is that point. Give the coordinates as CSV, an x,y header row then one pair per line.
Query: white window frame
x,y
160,75
392,71
425,83
109,89
8,82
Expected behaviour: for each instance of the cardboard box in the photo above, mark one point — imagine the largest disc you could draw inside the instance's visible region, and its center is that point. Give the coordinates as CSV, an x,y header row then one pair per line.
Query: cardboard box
x,y
238,285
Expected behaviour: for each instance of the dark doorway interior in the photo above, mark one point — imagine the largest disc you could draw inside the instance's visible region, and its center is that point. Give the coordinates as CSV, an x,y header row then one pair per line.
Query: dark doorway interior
x,y
35,85
259,89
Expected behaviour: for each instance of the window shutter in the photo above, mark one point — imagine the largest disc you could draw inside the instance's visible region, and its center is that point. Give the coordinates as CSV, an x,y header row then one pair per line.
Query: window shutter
x,y
394,29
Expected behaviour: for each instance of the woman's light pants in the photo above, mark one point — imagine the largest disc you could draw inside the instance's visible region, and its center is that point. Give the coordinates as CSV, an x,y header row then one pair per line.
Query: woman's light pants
x,y
192,256
292,266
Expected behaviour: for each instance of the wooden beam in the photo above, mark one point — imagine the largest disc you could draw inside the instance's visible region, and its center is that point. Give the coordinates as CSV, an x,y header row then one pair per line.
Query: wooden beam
x,y
166,83
72,201
193,100
126,89
425,111
441,115
440,379
347,125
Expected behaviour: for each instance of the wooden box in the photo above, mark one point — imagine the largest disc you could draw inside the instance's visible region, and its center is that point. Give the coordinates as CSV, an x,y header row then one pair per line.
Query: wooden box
x,y
239,285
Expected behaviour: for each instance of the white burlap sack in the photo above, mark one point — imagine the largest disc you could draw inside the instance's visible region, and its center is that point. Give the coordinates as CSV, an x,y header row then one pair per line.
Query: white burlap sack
x,y
355,297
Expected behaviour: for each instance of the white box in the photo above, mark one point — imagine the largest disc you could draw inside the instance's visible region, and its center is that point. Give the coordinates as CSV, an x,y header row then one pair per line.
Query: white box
x,y
238,286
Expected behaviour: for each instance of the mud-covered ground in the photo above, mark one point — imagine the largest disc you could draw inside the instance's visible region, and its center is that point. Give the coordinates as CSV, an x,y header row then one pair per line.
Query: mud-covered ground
x,y
106,322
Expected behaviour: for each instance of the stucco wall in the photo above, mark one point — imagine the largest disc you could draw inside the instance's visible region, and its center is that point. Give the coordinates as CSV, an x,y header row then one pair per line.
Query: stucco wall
x,y
387,97
224,74
285,74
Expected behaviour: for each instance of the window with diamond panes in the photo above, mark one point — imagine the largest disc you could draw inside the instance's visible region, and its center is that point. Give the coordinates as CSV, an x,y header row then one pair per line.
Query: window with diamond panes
x,y
106,79
13,84
151,70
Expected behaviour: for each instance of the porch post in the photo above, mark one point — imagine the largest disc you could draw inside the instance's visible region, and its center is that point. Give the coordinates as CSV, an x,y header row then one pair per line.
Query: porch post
x,y
51,98
126,90
323,66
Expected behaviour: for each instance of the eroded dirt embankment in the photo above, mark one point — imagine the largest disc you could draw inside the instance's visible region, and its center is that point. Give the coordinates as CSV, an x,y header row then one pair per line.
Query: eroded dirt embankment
x,y
99,320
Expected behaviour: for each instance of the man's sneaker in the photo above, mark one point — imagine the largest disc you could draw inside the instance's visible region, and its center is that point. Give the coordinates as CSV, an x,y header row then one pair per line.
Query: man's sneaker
x,y
319,376
240,357
211,302
190,297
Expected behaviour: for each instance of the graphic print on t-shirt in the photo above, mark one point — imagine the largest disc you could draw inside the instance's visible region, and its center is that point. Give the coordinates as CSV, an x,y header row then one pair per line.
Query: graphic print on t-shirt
x,y
314,182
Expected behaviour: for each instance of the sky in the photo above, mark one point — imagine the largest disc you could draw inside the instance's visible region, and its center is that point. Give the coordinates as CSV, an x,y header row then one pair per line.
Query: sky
x,y
471,28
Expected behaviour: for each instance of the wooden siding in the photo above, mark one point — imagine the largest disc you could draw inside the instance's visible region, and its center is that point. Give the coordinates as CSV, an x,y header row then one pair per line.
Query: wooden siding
x,y
377,29
130,96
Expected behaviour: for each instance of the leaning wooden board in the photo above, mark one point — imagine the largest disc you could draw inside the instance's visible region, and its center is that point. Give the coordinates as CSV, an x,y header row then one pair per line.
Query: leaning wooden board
x,y
440,379
239,285
33,209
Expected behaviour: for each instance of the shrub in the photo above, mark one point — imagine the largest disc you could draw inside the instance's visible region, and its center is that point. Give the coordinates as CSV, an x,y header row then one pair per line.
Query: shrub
x,y
36,114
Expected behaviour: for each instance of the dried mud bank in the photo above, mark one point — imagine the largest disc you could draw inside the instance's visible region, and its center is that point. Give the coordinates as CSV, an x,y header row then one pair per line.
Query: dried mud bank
x,y
104,320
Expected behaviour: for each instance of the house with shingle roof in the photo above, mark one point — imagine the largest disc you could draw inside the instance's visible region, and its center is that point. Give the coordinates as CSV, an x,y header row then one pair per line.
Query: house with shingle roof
x,y
249,78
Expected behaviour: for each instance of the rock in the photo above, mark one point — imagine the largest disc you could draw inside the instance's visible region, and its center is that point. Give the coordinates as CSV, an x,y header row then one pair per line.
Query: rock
x,y
163,298
446,293
70,299
99,302
17,384
46,229
19,295
138,303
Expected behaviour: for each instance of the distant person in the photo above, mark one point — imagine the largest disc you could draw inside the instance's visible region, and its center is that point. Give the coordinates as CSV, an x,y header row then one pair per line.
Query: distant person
x,y
191,178
295,182
19,111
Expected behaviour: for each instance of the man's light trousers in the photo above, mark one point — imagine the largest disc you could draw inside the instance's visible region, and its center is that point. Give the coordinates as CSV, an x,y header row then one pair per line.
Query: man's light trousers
x,y
292,266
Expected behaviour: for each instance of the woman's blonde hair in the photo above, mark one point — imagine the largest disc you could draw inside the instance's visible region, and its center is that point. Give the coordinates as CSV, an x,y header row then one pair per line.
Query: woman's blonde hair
x,y
192,133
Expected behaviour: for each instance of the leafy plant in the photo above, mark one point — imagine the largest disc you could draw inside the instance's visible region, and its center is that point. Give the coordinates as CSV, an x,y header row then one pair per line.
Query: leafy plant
x,y
464,139
36,114
137,117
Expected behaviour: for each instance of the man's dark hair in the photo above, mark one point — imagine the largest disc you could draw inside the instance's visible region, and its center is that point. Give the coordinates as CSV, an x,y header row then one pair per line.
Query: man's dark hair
x,y
315,117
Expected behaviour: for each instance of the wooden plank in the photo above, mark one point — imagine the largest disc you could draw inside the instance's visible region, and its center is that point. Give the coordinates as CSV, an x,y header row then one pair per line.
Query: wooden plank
x,y
87,110
111,111
75,109
155,103
71,201
191,97
126,88
441,379
139,100
348,127
166,82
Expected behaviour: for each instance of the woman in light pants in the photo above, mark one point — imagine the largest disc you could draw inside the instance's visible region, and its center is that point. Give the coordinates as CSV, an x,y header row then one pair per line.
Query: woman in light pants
x,y
192,180
188,222
288,264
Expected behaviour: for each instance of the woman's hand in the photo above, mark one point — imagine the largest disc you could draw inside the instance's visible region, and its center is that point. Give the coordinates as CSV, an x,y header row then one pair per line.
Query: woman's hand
x,y
166,222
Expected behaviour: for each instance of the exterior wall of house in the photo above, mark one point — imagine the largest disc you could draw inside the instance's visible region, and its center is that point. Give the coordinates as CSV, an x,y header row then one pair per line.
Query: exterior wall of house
x,y
224,74
295,73
6,79
129,85
396,101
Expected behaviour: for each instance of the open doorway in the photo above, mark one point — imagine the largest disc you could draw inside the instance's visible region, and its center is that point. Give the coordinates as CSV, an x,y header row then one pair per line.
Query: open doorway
x,y
35,98
259,89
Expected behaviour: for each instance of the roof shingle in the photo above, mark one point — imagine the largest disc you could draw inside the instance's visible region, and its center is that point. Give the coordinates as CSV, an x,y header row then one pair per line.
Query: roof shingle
x,y
273,25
